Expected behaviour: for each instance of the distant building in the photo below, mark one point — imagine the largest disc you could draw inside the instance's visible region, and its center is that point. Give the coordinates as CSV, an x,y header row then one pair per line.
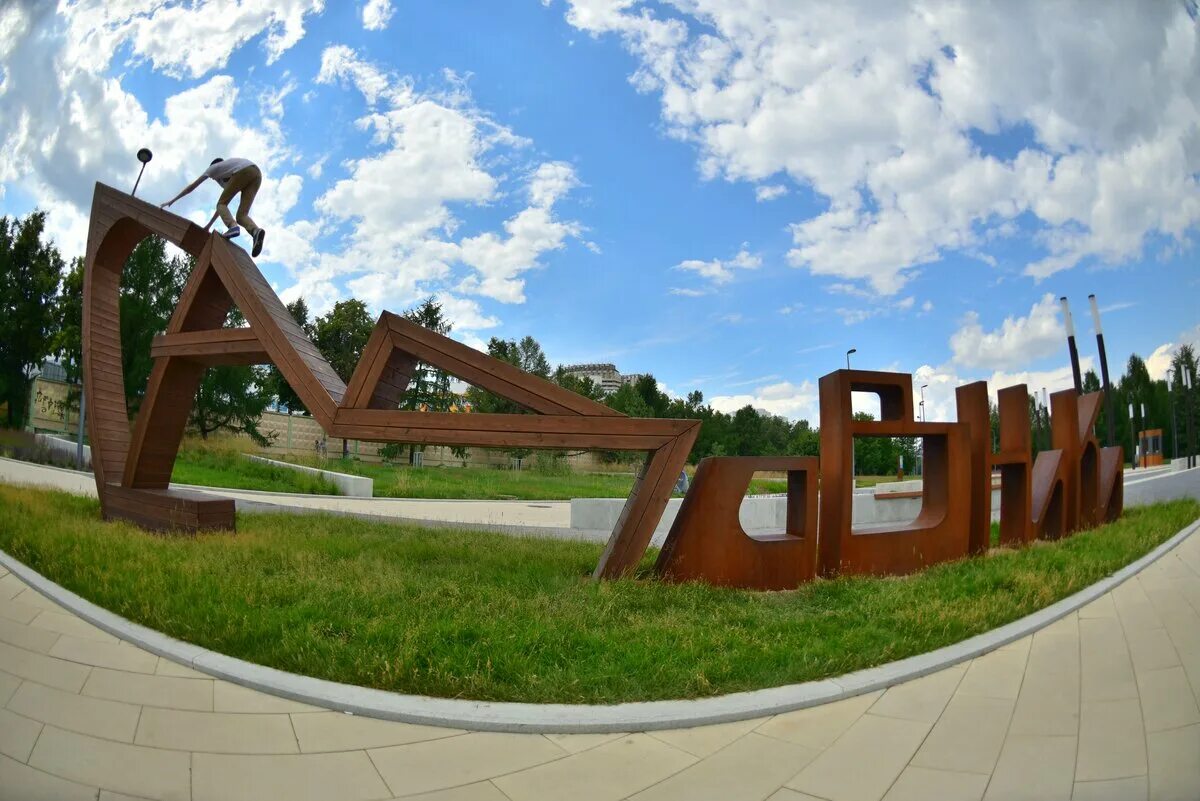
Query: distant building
x,y
603,375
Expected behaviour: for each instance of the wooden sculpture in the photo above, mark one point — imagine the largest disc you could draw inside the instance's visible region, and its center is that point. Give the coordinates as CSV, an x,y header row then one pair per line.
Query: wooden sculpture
x,y
133,469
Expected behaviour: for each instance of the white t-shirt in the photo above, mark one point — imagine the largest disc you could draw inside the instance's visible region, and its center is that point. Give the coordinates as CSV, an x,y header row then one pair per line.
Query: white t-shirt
x,y
222,170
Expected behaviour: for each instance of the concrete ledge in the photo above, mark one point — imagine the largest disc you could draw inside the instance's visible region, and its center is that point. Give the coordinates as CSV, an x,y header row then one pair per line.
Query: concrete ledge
x,y
574,718
351,486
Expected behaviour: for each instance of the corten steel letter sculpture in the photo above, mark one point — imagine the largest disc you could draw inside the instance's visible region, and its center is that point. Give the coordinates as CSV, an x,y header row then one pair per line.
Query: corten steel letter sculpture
x,y
941,530
707,541
133,470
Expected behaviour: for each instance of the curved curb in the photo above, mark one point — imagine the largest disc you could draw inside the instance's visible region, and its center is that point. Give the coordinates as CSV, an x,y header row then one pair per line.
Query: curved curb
x,y
575,718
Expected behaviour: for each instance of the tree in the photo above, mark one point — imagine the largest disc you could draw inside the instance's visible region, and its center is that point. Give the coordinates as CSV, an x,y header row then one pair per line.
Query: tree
x,y
231,397
341,335
526,355
274,383
30,270
429,389
150,288
68,336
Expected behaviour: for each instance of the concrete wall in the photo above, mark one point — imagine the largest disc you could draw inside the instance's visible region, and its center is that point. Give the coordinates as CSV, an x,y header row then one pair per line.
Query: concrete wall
x,y
66,448
352,486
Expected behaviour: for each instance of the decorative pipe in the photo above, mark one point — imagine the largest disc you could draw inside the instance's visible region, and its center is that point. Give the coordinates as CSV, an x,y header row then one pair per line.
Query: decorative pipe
x,y
1110,428
1070,326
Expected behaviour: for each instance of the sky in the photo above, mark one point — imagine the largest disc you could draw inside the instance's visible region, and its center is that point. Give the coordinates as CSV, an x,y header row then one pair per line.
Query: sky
x,y
728,194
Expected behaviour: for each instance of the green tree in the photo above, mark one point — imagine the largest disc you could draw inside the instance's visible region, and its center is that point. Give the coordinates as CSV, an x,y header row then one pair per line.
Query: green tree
x,y
429,388
527,355
30,271
273,382
341,335
150,287
231,397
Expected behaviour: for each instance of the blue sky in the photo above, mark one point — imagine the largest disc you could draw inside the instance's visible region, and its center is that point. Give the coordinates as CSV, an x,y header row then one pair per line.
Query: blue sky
x,y
726,194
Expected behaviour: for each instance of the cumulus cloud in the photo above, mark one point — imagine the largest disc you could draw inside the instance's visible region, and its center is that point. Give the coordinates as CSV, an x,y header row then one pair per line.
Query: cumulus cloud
x,y
1018,341
793,401
376,14
718,272
764,194
880,107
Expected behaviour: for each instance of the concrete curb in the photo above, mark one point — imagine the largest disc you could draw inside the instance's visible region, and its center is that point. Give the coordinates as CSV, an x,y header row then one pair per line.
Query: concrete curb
x,y
575,718
350,485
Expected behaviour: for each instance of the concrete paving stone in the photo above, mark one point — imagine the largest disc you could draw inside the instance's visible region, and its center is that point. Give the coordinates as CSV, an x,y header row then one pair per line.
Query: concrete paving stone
x,y
788,794
968,736
17,611
1191,666
749,768
41,668
17,735
925,784
112,655
124,768
148,690
32,597
19,782
575,743
1101,607
1151,649
1167,699
109,795
337,731
482,791
1020,646
1131,789
1033,768
865,761
1048,704
1183,627
1053,653
26,637
216,732
1174,764
167,667
229,697
8,685
453,761
994,675
704,740
347,776
1134,607
1065,625
818,726
921,699
608,773
11,587
70,624
1112,741
111,720
1105,666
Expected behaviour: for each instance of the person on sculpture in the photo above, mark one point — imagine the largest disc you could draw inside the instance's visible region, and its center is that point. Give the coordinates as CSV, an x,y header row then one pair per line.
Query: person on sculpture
x,y
235,176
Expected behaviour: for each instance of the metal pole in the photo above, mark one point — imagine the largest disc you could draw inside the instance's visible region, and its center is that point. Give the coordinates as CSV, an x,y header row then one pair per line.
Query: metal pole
x,y
852,350
1132,437
1110,432
139,179
1070,326
1047,438
1174,396
1187,410
79,434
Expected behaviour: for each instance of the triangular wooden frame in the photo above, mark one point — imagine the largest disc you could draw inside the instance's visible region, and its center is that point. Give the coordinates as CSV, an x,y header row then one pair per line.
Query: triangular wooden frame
x,y
133,471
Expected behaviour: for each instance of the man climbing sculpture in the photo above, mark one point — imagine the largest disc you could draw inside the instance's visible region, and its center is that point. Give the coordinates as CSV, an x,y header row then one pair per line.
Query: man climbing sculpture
x,y
235,176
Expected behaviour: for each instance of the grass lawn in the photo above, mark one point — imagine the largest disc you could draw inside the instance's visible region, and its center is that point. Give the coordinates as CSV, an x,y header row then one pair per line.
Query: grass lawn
x,y
215,466
477,615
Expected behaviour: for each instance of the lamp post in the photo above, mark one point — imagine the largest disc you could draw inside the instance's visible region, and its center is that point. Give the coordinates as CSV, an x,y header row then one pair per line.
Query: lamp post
x,y
1188,380
1049,439
1133,437
144,155
923,402
852,350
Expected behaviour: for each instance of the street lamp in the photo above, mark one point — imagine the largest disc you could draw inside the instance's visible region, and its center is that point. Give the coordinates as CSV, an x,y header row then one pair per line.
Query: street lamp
x,y
852,350
144,155
1133,437
1188,380
923,402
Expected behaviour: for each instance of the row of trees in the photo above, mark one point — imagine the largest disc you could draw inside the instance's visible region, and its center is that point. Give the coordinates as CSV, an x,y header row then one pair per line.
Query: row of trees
x,y
41,314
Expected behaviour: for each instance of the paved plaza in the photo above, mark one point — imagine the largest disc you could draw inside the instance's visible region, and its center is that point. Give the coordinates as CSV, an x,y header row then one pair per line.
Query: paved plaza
x,y
1102,704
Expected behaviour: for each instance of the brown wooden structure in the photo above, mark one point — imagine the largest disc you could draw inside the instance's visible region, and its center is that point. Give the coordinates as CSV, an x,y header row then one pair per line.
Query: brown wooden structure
x,y
133,468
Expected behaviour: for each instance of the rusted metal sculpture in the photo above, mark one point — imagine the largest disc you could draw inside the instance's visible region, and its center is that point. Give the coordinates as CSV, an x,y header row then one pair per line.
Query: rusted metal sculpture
x,y
940,531
133,469
707,541
1075,485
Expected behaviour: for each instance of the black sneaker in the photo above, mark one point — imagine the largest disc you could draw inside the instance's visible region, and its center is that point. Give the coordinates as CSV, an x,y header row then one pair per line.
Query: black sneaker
x,y
259,235
232,232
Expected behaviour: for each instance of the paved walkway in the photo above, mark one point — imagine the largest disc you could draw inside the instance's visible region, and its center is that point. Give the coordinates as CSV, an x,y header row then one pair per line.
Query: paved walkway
x,y
1101,705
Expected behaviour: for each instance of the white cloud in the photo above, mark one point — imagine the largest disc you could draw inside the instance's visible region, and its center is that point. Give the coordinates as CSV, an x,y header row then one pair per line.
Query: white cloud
x,y
764,194
718,271
875,106
465,314
795,402
376,14
1018,341
689,293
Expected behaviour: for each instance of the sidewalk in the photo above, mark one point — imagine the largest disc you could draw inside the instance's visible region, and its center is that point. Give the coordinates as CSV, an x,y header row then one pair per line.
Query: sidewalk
x,y
1104,703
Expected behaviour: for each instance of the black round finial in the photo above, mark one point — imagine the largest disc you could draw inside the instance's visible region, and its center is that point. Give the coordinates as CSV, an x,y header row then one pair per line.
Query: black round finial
x,y
144,155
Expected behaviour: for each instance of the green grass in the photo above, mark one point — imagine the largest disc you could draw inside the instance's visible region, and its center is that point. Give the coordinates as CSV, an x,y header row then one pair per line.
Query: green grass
x,y
477,615
223,467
